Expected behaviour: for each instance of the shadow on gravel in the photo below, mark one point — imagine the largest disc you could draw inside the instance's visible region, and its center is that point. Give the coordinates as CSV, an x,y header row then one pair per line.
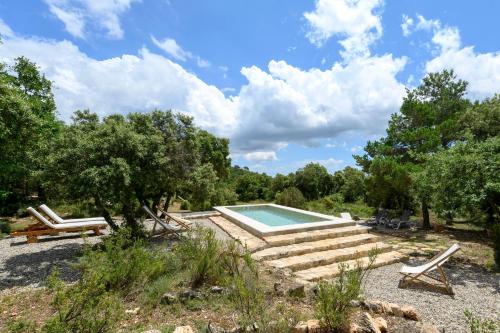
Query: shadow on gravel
x,y
459,274
34,268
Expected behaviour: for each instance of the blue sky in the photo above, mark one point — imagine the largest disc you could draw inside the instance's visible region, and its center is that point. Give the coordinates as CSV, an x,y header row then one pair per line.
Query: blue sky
x,y
289,82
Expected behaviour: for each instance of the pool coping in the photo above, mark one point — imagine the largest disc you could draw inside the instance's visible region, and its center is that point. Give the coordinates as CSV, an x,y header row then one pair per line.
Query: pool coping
x,y
262,230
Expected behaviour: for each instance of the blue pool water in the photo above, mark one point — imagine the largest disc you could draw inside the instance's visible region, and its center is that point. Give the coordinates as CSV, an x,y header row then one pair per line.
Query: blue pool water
x,y
275,216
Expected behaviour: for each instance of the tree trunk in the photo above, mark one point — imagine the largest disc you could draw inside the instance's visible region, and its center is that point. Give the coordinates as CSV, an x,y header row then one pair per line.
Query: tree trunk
x,y
426,222
449,218
105,214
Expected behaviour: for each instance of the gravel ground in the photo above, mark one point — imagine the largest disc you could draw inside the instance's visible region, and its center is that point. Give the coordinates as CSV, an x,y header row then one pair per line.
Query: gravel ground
x,y
25,265
475,289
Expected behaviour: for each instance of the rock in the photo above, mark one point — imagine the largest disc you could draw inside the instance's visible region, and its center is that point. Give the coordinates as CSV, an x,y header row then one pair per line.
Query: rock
x,y
354,328
279,290
396,310
132,311
212,328
301,327
287,272
386,308
367,323
428,328
296,290
168,298
190,294
381,324
216,290
410,312
313,326
355,304
183,329
374,306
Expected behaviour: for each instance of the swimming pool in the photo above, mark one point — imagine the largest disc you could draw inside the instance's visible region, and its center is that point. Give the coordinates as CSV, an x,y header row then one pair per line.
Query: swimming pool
x,y
271,219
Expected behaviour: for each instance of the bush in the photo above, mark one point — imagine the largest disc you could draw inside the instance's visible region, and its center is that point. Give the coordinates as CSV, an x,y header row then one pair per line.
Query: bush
x,y
333,303
200,253
123,264
4,227
291,197
185,205
83,307
478,325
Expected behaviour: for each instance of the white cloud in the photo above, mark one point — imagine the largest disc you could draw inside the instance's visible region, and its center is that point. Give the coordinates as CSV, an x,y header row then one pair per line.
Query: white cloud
x,y
260,156
356,149
481,70
171,47
330,145
123,84
408,26
103,14
288,104
281,105
355,20
5,30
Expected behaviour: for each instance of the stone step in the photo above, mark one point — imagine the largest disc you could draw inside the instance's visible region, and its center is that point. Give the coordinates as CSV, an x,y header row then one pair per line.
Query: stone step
x,y
330,271
316,246
314,235
322,258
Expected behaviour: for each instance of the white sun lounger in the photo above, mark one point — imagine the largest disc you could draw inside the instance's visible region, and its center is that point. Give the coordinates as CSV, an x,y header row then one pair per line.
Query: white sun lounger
x,y
56,218
45,227
412,273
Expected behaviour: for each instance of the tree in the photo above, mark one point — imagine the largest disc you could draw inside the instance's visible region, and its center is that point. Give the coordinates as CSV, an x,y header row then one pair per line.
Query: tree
x,y
203,185
466,179
313,181
27,125
428,122
482,119
349,182
291,197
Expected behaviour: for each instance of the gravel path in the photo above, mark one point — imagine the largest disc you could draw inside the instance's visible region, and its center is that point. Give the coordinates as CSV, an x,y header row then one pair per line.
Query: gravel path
x,y
475,289
28,265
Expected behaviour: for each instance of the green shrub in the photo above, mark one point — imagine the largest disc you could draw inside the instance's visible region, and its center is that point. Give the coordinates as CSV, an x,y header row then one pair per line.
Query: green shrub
x,y
85,306
478,325
199,253
185,205
4,227
123,264
333,302
291,197
20,326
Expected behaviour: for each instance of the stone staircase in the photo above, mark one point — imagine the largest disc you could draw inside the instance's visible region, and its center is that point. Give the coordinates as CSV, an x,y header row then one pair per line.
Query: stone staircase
x,y
315,255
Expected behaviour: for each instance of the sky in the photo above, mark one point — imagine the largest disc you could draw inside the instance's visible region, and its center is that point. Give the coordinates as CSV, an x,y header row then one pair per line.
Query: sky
x,y
288,82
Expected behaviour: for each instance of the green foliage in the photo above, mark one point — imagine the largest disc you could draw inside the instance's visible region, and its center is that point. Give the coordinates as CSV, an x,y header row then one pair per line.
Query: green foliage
x,y
83,307
389,184
350,183
202,186
333,301
21,326
27,125
123,264
482,120
478,325
199,253
466,179
4,227
250,185
313,181
291,197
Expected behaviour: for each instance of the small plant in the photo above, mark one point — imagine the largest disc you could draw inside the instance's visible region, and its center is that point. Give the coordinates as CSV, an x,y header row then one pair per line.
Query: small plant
x,y
478,325
85,307
496,245
4,227
21,325
291,197
333,303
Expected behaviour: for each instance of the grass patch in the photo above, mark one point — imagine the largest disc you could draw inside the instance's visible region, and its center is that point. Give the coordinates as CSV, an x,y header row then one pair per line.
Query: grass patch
x,y
334,205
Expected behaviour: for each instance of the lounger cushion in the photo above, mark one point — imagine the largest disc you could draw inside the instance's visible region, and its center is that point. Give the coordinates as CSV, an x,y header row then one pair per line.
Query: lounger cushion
x,y
433,264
